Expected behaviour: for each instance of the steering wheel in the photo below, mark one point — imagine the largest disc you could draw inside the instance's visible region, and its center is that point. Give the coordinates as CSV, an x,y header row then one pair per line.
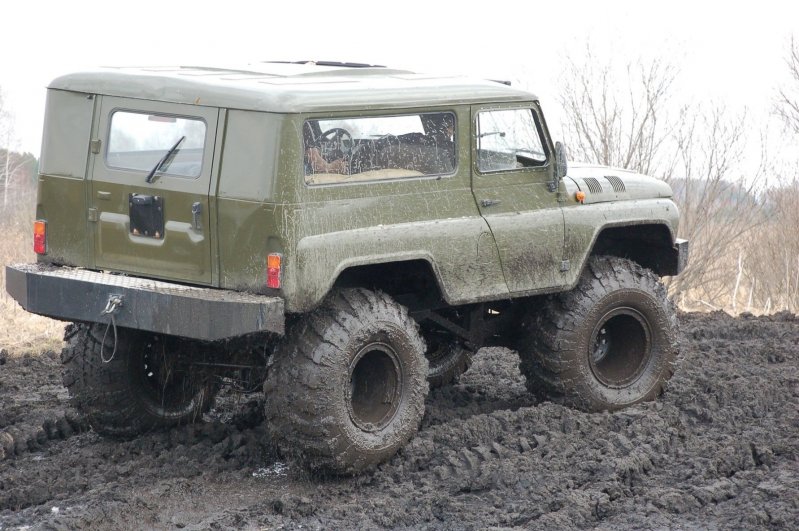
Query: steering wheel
x,y
341,140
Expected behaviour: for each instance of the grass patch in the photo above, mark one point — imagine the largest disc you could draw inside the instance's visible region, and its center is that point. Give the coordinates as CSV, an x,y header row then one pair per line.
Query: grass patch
x,y
20,331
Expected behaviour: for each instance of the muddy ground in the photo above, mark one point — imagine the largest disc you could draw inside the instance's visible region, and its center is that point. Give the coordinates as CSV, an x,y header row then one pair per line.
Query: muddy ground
x,y
719,450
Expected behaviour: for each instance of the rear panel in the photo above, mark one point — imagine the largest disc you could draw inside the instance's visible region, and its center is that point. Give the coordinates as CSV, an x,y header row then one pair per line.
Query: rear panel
x,y
247,217
62,176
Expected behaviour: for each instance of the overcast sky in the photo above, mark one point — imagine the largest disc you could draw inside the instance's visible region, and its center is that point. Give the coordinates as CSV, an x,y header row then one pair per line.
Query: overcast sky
x,y
725,52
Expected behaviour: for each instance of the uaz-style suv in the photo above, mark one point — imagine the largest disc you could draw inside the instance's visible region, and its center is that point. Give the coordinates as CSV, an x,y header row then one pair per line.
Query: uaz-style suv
x,y
341,236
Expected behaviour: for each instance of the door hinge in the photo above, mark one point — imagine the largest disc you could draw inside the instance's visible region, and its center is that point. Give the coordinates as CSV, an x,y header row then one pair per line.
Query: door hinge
x,y
93,214
95,146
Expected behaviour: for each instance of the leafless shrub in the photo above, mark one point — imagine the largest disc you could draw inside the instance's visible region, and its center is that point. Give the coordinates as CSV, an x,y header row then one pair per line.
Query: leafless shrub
x,y
770,267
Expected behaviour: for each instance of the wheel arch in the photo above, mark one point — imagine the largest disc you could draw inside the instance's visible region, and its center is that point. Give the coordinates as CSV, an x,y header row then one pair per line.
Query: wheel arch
x,y
413,282
651,245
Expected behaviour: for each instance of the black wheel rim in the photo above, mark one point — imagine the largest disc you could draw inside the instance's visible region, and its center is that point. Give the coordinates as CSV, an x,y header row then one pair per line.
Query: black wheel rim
x,y
620,347
166,385
375,387
439,357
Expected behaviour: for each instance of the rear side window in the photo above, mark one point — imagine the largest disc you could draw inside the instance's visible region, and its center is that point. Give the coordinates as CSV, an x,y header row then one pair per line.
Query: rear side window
x,y
378,148
137,141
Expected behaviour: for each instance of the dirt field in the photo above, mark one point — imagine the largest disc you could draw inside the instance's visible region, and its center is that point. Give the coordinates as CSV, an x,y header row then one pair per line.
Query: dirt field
x,y
719,450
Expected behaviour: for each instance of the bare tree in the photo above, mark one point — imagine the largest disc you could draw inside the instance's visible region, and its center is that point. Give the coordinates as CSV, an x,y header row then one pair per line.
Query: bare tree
x,y
720,205
12,165
771,267
616,114
787,105
623,114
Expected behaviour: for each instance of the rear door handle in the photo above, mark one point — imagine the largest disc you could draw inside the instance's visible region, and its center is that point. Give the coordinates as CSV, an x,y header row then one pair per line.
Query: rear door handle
x,y
489,202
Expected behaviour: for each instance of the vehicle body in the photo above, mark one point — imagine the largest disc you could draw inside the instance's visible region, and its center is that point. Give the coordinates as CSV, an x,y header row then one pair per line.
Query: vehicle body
x,y
203,202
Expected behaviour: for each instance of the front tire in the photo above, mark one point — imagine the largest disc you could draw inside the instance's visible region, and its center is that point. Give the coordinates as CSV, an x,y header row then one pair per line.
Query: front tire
x,y
346,386
609,343
142,388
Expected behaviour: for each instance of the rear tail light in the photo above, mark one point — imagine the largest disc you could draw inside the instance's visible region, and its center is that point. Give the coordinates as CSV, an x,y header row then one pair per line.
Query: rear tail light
x,y
40,236
273,266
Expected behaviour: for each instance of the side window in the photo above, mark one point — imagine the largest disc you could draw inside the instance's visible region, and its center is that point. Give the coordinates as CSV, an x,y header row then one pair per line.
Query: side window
x,y
137,141
507,140
378,147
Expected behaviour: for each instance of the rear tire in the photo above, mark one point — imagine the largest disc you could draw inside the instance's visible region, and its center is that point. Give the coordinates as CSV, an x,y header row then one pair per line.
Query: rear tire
x,y
447,359
140,389
609,343
346,386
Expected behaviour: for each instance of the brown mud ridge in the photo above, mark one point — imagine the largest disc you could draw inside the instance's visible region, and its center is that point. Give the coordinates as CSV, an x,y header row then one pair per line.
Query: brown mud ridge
x,y
719,450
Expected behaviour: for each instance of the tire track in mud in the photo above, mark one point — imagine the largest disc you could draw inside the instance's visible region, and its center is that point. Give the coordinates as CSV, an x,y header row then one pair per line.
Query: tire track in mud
x,y
15,441
718,449
39,460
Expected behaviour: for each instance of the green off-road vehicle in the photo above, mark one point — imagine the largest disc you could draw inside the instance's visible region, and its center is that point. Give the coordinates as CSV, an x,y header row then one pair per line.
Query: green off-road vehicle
x,y
341,236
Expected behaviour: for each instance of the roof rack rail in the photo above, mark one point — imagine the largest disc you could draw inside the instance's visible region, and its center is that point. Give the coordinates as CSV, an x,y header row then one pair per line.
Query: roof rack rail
x,y
345,64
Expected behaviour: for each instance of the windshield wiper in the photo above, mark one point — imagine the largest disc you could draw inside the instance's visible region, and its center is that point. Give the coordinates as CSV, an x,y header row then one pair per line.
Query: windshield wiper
x,y
164,160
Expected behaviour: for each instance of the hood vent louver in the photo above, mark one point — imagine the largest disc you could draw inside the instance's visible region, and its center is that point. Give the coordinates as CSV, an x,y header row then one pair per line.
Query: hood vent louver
x,y
593,185
616,183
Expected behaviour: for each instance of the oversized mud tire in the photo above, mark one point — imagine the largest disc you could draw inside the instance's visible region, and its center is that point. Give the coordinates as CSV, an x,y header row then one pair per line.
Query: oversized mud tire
x,y
447,359
346,386
607,344
139,389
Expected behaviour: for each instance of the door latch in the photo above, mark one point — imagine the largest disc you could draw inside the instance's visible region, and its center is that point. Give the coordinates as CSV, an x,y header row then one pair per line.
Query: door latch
x,y
196,216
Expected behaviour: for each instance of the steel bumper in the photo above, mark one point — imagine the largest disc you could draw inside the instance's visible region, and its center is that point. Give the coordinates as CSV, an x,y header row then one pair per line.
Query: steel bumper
x,y
71,294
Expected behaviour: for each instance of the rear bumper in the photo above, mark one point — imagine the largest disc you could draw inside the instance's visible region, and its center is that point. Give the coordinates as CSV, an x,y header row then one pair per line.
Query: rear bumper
x,y
681,248
208,314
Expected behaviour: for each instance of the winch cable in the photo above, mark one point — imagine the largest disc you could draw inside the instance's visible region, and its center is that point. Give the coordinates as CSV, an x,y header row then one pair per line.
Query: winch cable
x,y
113,305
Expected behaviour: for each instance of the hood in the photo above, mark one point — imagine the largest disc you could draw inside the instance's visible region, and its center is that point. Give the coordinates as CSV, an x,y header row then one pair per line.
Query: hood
x,y
601,184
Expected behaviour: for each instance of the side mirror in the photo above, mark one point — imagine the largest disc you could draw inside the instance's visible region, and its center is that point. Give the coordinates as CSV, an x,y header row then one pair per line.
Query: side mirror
x,y
561,166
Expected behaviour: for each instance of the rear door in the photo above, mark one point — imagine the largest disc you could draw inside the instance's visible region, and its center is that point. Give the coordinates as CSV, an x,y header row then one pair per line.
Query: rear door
x,y
160,228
